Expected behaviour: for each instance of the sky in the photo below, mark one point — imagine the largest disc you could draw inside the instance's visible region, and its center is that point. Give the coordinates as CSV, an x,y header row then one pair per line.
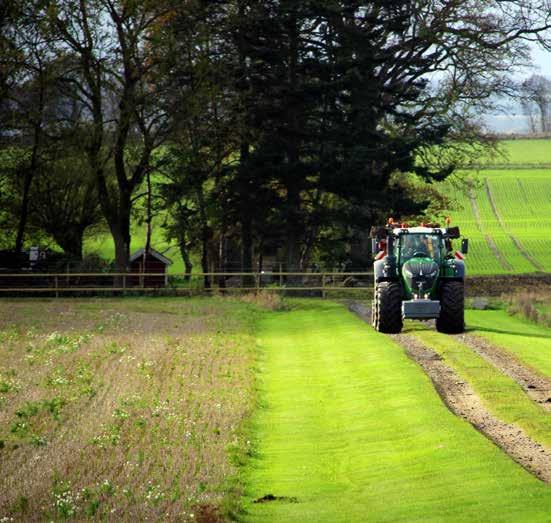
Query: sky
x,y
542,61
513,121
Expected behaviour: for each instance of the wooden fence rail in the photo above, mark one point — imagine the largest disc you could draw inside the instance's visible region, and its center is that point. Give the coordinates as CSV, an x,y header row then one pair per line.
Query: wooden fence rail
x,y
121,282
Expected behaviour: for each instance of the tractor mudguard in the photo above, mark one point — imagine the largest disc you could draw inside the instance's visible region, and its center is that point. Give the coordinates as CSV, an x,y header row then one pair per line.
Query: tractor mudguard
x,y
379,272
459,269
454,274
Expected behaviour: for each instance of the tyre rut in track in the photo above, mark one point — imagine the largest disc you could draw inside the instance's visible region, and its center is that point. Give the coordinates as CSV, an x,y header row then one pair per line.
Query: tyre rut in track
x,y
460,399
536,386
514,239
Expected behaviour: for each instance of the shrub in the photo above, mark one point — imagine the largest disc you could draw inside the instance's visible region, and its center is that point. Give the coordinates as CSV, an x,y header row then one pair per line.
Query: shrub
x,y
272,301
530,305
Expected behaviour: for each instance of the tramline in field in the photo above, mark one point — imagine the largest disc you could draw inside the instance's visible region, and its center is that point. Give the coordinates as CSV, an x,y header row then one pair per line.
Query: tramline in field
x,y
418,276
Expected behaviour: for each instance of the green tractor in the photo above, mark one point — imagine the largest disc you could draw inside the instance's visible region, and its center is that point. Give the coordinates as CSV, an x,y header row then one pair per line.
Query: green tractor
x,y
418,276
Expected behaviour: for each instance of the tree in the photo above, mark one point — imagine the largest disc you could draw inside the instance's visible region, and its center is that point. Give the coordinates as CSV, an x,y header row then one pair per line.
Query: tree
x,y
285,122
199,159
64,200
117,75
340,99
10,54
535,98
30,104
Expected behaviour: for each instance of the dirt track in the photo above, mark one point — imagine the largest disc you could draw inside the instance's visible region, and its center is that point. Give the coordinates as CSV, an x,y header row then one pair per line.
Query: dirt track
x,y
460,398
462,401
536,386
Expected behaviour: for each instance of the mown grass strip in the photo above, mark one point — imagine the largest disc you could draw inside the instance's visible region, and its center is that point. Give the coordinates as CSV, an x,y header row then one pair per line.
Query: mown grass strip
x,y
528,342
501,395
349,429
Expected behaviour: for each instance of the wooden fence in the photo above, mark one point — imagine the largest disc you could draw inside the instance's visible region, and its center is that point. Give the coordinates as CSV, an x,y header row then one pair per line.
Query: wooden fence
x,y
73,283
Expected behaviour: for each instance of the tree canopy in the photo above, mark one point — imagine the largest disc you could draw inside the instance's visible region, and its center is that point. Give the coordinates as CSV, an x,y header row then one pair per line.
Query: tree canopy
x,y
272,126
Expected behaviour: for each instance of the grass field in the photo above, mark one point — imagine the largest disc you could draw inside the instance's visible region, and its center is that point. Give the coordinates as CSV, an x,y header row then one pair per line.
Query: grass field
x,y
102,244
525,152
122,409
528,342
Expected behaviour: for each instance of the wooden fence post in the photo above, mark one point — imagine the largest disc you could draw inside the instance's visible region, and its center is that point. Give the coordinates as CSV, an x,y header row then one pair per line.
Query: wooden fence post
x,y
323,285
56,286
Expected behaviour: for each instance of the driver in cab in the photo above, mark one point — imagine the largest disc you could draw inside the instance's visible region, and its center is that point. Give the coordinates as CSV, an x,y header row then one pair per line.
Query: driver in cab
x,y
416,245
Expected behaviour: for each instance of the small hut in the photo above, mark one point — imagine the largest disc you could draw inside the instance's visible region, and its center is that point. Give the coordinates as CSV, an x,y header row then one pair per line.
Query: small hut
x,y
155,263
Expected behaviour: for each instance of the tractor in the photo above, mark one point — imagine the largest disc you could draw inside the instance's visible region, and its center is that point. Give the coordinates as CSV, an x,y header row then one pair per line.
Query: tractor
x,y
418,276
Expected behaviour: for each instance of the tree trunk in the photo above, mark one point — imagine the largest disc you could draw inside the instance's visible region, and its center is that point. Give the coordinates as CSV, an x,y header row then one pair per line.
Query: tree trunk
x,y
148,221
29,176
205,236
188,266
221,262
247,251
293,203
71,241
122,248
24,211
120,230
246,212
293,227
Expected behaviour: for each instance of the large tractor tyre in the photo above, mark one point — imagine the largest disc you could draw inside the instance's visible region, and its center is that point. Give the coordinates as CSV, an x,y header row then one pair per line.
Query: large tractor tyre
x,y
387,316
452,308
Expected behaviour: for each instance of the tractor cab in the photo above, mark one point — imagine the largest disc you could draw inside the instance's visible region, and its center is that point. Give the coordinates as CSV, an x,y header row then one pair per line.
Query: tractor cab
x,y
419,256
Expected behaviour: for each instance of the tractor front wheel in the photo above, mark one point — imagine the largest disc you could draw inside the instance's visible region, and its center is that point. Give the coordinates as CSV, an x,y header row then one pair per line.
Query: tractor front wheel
x,y
387,310
452,308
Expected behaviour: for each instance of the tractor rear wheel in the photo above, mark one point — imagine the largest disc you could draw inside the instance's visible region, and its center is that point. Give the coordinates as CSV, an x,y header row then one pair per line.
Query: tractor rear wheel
x,y
452,308
387,313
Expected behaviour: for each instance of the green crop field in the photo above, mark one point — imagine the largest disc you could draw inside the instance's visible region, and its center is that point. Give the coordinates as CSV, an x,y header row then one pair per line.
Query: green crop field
x,y
526,151
506,213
